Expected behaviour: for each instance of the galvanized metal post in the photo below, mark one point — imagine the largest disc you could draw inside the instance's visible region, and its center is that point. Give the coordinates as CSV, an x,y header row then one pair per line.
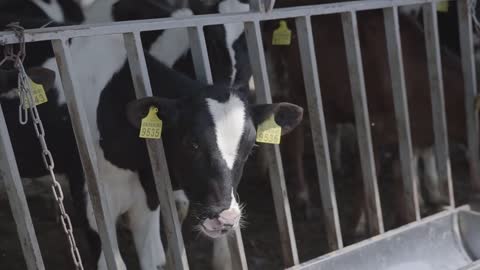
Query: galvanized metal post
x,y
18,203
395,61
272,152
199,51
141,81
319,131
438,100
470,84
204,73
362,122
87,151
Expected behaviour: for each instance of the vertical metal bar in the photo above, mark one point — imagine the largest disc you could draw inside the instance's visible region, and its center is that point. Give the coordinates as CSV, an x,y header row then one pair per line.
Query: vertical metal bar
x,y
395,61
86,149
203,71
470,84
272,152
199,51
362,122
237,251
18,203
141,80
319,131
438,100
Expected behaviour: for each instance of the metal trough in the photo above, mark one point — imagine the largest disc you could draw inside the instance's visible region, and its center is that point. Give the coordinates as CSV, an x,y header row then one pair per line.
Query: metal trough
x,y
446,241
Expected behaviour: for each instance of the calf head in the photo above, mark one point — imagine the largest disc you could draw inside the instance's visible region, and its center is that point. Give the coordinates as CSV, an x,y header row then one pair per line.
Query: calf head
x,y
212,134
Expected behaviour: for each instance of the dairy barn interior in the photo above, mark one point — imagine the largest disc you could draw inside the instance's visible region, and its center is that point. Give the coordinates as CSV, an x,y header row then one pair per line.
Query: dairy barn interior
x,y
239,134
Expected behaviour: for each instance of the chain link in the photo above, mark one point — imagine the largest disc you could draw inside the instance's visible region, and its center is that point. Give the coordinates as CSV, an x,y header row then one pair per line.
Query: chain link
x,y
27,106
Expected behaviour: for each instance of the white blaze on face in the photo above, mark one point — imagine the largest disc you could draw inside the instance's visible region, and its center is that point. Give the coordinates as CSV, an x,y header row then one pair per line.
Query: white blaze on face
x,y
52,9
229,120
232,30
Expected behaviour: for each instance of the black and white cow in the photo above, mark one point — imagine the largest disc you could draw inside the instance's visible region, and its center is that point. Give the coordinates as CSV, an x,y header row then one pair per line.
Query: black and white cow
x,y
208,134
226,44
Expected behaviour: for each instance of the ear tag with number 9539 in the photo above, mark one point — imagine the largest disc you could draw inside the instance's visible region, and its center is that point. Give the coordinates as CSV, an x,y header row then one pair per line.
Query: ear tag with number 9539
x,y
151,127
269,131
38,94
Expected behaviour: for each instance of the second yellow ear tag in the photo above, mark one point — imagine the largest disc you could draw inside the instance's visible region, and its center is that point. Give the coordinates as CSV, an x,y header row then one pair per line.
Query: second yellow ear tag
x,y
269,131
442,6
38,94
282,35
151,127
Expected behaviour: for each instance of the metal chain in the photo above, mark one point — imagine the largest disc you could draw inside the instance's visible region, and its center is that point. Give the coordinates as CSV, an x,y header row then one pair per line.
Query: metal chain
x,y
27,105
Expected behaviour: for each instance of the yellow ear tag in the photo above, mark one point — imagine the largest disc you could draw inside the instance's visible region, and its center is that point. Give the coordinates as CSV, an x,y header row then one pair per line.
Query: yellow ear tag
x,y
151,127
269,131
38,94
282,35
442,6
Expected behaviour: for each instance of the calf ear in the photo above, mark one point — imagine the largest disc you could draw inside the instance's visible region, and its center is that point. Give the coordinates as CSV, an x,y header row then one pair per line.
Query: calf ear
x,y
138,109
43,76
287,115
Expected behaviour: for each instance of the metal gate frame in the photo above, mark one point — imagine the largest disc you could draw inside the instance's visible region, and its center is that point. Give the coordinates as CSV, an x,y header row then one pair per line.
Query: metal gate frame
x,y
348,10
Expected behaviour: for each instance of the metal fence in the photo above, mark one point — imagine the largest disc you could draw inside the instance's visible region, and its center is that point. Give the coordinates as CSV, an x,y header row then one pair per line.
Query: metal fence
x,y
348,10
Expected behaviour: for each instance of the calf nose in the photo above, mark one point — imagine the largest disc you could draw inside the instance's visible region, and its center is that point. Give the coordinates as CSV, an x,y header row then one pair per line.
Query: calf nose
x,y
230,217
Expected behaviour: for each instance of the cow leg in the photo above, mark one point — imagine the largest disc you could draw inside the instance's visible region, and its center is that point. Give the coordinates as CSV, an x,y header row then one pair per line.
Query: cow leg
x,y
400,199
92,233
436,189
145,226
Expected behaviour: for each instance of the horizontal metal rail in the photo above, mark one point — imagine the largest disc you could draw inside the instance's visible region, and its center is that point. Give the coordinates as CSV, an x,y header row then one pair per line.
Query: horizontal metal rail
x,y
201,20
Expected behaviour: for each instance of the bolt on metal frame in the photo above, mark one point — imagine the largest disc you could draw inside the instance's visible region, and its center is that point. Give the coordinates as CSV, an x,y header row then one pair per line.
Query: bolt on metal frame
x,y
131,33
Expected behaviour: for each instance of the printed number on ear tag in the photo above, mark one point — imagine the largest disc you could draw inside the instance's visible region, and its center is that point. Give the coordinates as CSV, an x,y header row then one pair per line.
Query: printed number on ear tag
x,y
38,94
282,35
442,6
269,131
151,127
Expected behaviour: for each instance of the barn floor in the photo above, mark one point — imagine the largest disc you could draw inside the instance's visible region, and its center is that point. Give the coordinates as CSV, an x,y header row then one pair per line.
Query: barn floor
x,y
260,235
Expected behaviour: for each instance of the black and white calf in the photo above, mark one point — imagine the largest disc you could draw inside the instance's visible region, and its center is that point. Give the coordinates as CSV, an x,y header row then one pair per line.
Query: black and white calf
x,y
208,134
226,44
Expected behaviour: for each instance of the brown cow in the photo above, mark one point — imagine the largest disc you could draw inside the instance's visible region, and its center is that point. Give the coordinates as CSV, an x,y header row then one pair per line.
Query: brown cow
x,y
335,85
